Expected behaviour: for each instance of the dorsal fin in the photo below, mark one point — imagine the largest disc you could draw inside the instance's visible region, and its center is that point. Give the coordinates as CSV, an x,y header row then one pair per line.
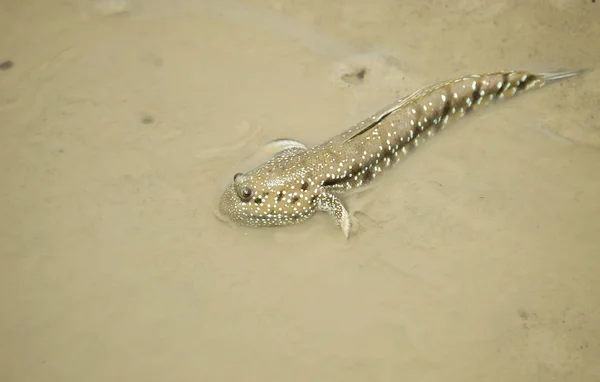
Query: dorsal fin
x,y
374,120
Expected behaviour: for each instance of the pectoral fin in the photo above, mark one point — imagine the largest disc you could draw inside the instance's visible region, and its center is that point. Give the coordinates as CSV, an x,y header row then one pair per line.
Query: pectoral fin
x,y
328,202
278,145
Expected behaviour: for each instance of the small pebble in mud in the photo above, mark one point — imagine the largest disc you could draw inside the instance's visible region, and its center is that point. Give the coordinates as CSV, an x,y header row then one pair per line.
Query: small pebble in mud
x,y
361,74
147,119
6,65
523,314
356,77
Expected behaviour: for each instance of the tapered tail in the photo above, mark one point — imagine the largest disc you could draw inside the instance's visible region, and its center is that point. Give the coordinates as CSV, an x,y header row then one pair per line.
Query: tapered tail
x,y
555,77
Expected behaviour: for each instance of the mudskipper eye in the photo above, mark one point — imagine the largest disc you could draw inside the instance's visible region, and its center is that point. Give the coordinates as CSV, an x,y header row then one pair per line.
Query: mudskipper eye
x,y
236,175
245,194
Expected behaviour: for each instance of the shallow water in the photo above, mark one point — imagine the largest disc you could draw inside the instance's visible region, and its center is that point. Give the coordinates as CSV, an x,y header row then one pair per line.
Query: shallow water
x,y
475,259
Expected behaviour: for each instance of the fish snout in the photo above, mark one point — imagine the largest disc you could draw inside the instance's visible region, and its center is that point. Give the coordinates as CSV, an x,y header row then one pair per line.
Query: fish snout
x,y
228,205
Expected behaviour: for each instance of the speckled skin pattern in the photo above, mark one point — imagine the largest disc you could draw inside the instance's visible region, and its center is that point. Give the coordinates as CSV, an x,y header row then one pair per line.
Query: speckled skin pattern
x,y
298,181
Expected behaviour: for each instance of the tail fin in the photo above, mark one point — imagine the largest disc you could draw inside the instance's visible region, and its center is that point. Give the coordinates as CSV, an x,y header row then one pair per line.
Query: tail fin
x,y
555,77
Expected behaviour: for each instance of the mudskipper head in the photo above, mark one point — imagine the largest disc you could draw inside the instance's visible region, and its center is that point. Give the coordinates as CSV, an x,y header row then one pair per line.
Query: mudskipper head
x,y
238,199
275,194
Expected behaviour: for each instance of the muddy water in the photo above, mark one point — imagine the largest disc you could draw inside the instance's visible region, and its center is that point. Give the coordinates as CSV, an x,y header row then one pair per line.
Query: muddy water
x,y
476,259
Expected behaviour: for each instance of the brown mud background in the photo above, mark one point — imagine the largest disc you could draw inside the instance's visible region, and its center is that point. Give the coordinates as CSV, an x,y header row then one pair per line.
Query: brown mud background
x,y
477,259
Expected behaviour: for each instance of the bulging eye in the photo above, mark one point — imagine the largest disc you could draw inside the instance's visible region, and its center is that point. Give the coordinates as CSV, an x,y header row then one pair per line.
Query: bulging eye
x,y
246,193
236,176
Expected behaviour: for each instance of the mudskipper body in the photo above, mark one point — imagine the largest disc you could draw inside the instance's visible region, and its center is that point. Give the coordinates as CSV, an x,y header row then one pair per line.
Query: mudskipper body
x,y
298,181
